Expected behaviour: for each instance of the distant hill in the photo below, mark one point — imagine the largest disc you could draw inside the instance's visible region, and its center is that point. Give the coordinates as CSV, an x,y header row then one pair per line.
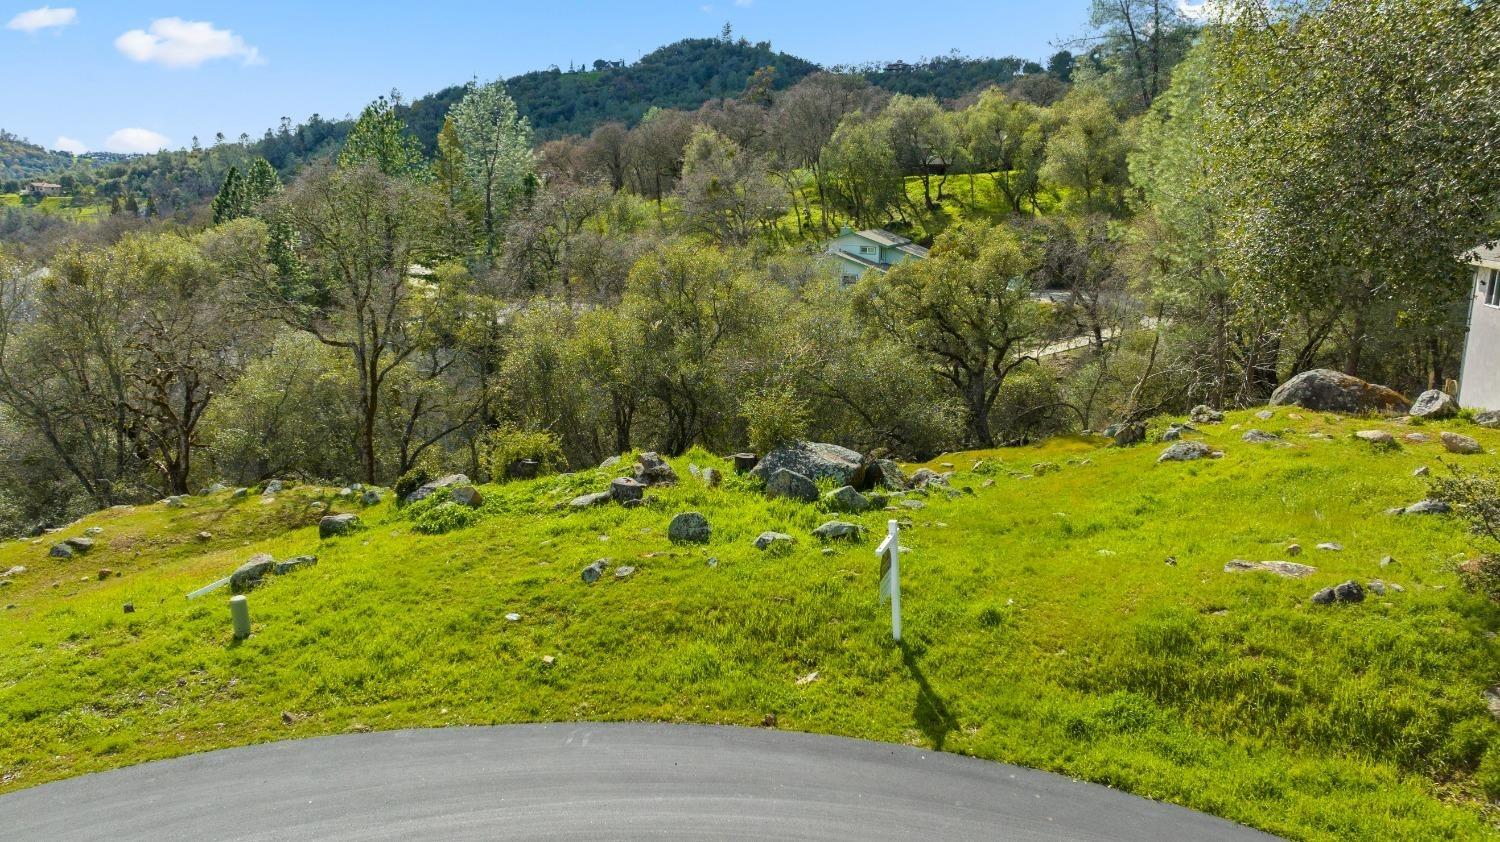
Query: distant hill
x,y
20,158
682,75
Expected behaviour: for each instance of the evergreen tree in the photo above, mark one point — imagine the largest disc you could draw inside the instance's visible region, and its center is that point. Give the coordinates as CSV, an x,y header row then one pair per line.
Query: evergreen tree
x,y
380,137
496,145
230,198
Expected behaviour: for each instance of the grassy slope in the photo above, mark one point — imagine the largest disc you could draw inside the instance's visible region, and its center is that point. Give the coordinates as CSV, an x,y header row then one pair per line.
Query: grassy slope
x,y
59,205
1043,627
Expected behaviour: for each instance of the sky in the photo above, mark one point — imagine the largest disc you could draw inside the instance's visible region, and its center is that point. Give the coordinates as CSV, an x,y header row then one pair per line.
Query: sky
x,y
139,75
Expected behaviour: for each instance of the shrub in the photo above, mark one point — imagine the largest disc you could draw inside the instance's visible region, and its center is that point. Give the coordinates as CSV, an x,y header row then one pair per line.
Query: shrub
x,y
444,517
775,416
507,445
409,482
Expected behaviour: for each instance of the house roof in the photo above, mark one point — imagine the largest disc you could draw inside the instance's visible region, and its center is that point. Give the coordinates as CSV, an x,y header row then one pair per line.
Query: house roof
x,y
854,258
1484,253
884,237
913,249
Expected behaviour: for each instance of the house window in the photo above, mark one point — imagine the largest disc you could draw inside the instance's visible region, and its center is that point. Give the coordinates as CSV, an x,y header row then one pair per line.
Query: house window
x,y
866,249
1492,291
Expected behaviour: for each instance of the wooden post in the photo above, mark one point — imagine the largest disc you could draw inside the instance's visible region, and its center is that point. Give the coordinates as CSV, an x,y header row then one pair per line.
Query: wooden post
x,y
239,612
890,569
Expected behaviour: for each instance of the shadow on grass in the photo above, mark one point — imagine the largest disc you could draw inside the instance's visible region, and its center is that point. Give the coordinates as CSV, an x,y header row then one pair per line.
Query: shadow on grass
x,y
931,713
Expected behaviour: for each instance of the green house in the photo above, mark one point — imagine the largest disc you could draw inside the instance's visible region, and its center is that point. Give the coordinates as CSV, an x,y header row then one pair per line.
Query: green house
x,y
857,252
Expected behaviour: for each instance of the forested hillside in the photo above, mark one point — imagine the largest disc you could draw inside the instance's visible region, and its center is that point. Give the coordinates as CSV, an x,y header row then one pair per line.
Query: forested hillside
x,y
22,159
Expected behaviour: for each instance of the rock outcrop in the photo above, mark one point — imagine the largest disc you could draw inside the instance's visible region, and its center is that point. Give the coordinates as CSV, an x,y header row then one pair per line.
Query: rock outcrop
x,y
1332,391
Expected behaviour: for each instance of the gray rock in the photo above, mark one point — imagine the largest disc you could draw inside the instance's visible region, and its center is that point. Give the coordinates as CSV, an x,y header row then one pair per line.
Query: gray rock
x,y
94,531
787,483
689,527
815,461
216,488
610,462
1346,592
651,469
1332,391
522,469
1184,451
428,489
273,487
1376,437
774,542
1294,550
584,501
1489,418
1376,586
129,607
1460,443
913,504
592,573
174,502
846,499
1434,403
249,574
60,551
1203,414
467,495
1260,437
1424,507
1129,433
1288,569
623,571
346,491
14,571
838,530
333,525
1265,415
744,462
240,494
1416,438
1492,700
1421,471
80,545
1331,546
626,489
293,564
886,474
925,477
1172,434
371,497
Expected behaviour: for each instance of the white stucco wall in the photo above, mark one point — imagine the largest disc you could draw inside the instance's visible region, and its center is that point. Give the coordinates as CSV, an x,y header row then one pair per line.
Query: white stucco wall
x,y
1479,381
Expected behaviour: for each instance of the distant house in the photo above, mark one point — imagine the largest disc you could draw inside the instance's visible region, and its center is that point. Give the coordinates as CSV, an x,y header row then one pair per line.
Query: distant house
x,y
43,188
856,252
1479,378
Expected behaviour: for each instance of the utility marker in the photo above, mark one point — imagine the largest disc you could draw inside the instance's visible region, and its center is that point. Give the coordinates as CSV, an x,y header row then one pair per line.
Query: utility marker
x,y
890,574
239,612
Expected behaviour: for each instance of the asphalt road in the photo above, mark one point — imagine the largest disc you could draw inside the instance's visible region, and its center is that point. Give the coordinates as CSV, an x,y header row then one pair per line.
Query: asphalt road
x,y
589,781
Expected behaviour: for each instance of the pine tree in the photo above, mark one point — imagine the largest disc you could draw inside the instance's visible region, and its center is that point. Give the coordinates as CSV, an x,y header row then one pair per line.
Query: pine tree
x,y
230,199
382,138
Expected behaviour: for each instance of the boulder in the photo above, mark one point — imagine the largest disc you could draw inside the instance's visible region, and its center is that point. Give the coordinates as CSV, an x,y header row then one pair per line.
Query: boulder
x,y
1376,437
651,469
1332,391
610,462
273,487
249,574
584,501
1203,414
94,531
689,527
774,542
1416,438
216,488
240,494
371,497
787,483
467,495
1129,433
1265,415
523,469
592,573
1184,451
885,473
626,489
80,545
1289,569
428,489
838,530
1260,437
624,571
1423,507
294,564
1434,403
1460,443
1489,418
816,462
174,502
1350,591
925,477
846,499
744,462
60,551
1173,433
333,525
711,477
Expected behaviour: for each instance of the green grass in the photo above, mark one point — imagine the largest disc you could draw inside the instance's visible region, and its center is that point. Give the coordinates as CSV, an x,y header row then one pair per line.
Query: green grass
x,y
57,205
1043,627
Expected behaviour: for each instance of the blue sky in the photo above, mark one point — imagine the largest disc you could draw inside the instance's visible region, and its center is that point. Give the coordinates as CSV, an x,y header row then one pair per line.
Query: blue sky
x,y
130,75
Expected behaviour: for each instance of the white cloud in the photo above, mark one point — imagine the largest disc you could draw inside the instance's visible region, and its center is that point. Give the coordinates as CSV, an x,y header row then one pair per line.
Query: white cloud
x,y
44,18
68,144
175,42
138,141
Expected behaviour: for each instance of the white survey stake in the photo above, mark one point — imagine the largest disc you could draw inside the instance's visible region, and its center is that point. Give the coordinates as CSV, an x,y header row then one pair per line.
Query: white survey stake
x,y
890,574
